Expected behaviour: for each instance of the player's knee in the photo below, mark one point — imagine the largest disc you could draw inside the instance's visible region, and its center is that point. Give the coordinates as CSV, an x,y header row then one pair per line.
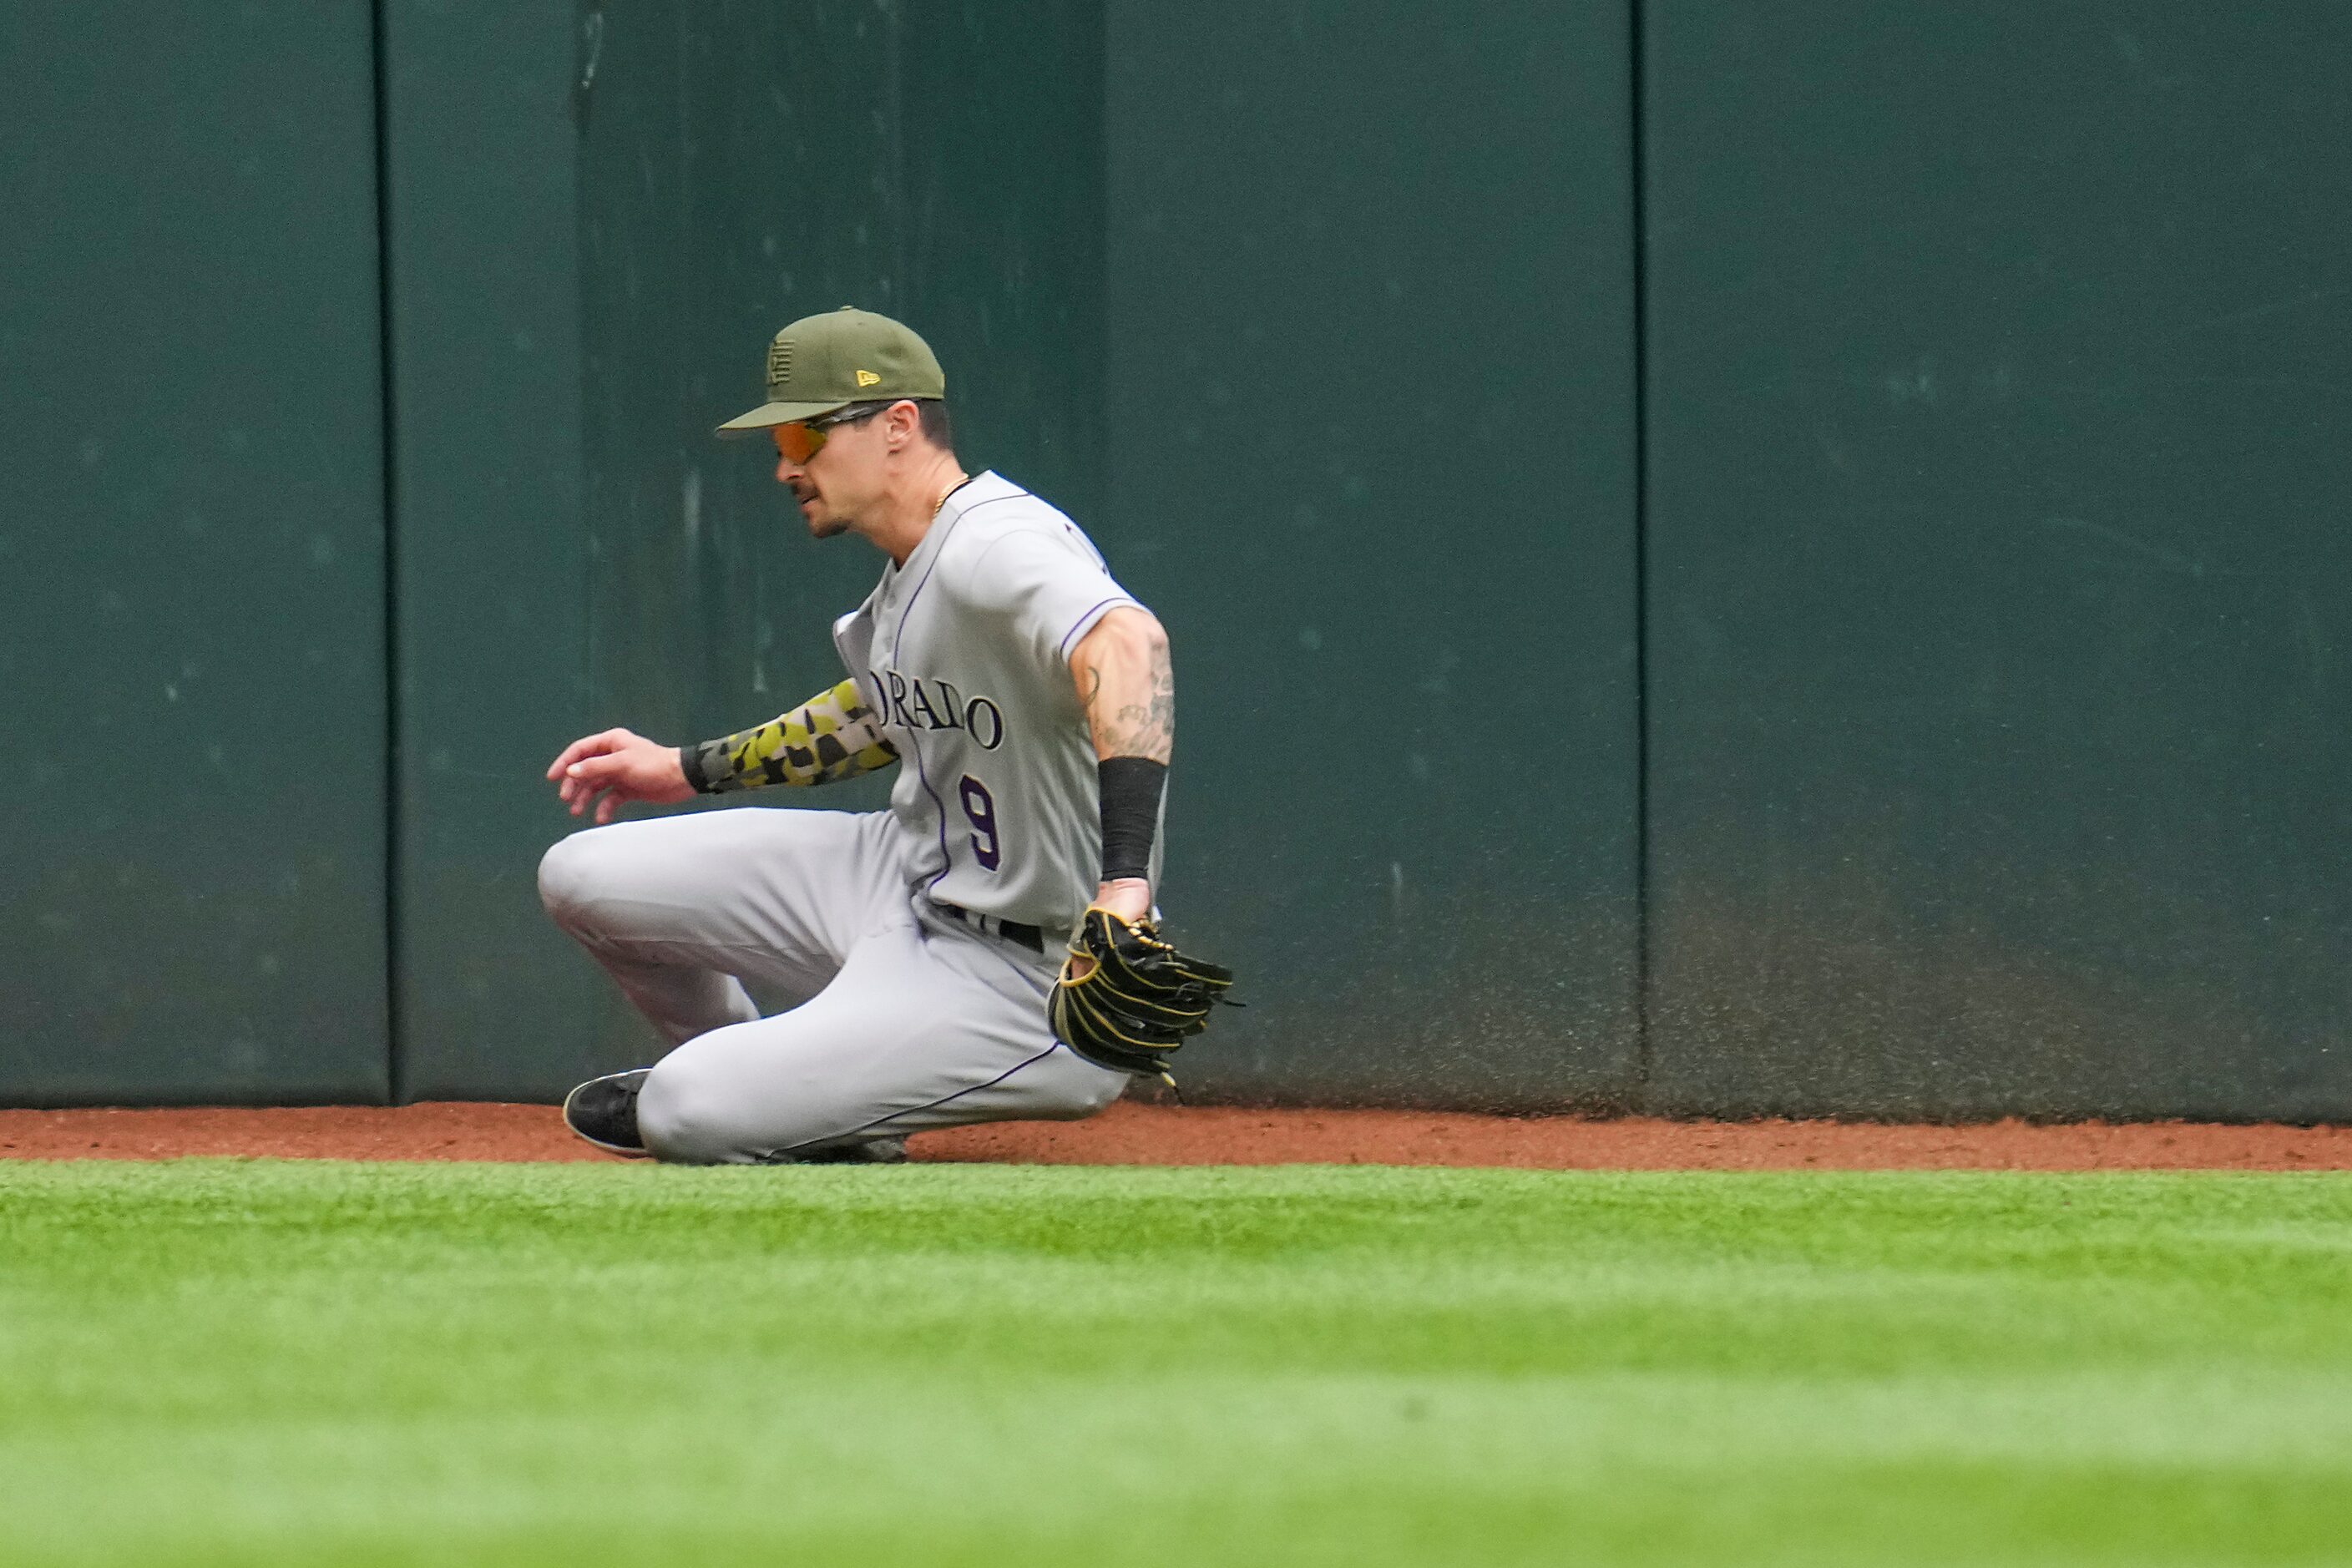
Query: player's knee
x,y
1081,1088
571,873
682,1118
1101,1097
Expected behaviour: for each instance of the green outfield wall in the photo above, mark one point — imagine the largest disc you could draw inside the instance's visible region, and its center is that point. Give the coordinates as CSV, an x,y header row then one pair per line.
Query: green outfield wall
x,y
1721,560
492,551
192,530
1370,363
1998,382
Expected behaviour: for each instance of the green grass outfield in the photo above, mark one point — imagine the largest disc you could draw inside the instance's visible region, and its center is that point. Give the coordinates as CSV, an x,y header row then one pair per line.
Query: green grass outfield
x,y
262,1362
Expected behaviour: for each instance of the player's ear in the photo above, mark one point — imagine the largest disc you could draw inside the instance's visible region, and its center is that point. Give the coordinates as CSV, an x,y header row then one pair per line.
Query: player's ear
x,y
901,422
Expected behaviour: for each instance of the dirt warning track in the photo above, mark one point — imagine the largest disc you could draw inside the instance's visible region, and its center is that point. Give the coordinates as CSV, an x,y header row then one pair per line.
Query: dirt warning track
x,y
1132,1135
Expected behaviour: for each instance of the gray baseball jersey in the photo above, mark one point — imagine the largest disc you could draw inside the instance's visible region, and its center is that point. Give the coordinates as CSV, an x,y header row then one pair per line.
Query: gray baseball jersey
x,y
964,653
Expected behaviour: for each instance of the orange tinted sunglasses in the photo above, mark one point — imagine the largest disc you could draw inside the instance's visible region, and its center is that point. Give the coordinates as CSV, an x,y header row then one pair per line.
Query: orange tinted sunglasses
x,y
804,438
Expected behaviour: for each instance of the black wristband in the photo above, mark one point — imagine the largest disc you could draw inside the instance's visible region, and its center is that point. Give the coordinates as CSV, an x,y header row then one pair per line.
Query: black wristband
x,y
1132,787
689,761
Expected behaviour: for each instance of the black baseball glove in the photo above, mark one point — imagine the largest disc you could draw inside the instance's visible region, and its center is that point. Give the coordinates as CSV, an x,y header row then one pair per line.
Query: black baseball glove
x,y
1125,998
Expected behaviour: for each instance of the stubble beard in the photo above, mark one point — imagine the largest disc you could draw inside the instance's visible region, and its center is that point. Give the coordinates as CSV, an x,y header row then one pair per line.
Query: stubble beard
x,y
829,527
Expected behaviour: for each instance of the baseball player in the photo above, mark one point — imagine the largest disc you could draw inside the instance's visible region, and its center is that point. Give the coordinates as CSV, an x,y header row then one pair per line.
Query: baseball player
x,y
1028,703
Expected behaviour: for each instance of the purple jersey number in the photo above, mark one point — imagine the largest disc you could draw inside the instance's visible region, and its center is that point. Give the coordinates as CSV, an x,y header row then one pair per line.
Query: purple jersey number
x,y
981,807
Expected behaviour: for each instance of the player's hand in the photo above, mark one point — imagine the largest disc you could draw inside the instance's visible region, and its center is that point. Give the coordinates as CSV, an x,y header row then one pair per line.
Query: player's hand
x,y
610,770
1129,899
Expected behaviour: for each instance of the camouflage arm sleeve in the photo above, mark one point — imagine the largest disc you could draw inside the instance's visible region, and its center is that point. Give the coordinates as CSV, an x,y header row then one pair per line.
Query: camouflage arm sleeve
x,y
835,736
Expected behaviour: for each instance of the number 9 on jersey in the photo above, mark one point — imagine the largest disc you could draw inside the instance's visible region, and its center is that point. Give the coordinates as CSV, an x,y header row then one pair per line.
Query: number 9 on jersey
x,y
980,809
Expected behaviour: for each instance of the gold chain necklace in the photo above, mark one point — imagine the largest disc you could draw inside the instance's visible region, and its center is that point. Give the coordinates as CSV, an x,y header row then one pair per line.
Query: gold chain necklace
x,y
961,479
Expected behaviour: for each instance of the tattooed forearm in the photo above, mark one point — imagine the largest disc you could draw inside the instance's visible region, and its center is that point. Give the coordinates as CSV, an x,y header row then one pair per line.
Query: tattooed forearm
x,y
1153,721
1127,685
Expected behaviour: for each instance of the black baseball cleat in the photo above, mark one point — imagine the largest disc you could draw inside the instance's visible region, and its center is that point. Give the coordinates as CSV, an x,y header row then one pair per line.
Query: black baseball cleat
x,y
603,1111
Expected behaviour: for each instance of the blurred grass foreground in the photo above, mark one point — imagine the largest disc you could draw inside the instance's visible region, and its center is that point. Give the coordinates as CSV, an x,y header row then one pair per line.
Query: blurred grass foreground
x,y
300,1363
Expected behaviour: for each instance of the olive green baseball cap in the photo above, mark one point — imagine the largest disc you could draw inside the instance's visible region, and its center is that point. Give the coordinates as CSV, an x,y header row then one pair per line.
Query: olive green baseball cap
x,y
820,364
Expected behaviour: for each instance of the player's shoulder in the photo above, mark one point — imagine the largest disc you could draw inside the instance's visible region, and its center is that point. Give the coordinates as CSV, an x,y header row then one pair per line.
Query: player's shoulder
x,y
995,521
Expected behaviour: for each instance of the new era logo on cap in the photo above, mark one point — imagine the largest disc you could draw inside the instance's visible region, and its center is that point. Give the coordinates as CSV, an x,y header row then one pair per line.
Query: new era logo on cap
x,y
867,378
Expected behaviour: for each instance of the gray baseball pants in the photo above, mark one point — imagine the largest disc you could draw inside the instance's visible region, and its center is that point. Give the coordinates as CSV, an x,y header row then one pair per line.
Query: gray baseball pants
x,y
896,1019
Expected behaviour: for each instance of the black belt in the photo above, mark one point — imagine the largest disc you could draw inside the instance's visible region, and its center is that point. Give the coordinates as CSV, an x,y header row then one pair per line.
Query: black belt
x,y
1013,932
